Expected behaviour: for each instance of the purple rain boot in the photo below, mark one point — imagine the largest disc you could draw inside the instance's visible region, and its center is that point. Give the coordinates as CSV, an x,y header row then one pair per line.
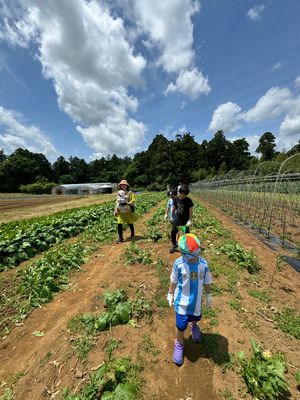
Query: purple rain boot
x,y
178,353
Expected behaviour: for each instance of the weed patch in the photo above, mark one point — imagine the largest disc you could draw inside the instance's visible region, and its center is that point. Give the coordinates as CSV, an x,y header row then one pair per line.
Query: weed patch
x,y
116,379
262,296
263,373
289,322
244,259
135,255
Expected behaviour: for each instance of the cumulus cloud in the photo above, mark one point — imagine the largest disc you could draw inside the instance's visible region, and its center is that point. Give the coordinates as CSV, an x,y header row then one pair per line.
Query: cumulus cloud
x,y
15,133
297,82
255,13
276,102
253,142
273,104
170,133
226,117
169,26
190,83
83,49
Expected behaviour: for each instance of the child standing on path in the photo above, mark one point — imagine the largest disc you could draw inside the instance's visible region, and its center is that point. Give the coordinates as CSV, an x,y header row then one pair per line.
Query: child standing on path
x,y
182,214
125,212
169,209
189,275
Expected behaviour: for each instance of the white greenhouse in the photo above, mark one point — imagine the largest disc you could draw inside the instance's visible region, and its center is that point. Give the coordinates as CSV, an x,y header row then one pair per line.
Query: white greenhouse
x,y
83,188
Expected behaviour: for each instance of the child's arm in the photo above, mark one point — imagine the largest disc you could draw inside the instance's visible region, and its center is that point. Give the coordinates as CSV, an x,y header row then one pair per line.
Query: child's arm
x,y
172,287
170,295
208,294
172,213
189,223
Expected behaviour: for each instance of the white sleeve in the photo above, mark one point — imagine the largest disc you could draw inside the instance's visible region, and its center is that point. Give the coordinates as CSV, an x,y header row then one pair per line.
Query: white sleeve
x,y
207,277
174,274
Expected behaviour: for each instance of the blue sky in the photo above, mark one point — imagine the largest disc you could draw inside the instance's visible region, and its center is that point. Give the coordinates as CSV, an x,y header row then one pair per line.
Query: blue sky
x,y
92,78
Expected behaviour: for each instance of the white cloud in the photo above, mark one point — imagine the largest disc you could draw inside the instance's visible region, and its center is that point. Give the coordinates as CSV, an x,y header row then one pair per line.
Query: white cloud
x,y
226,117
255,13
290,126
171,134
276,66
274,103
190,83
252,140
16,133
169,26
297,82
83,49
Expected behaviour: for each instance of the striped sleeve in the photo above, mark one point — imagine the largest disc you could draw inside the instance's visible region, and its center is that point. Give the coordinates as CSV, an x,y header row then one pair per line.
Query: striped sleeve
x,y
174,273
207,277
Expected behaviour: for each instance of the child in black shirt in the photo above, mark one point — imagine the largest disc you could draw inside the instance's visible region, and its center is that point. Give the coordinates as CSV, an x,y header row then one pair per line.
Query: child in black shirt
x,y
182,213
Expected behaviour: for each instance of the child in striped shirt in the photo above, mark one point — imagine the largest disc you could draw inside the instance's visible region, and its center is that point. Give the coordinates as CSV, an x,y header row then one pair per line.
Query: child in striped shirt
x,y
189,275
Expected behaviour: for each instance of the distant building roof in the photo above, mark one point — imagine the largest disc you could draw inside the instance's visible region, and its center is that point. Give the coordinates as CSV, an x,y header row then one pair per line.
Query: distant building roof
x,y
91,185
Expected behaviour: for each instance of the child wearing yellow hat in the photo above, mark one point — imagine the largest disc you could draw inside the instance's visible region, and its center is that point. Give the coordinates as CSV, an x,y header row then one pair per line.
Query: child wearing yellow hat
x,y
190,273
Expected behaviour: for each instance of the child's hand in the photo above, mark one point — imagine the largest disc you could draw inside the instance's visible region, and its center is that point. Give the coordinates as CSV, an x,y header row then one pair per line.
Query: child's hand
x,y
208,299
166,216
189,223
170,298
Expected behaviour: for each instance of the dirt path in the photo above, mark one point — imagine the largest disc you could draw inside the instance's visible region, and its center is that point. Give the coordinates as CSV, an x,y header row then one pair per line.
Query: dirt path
x,y
38,368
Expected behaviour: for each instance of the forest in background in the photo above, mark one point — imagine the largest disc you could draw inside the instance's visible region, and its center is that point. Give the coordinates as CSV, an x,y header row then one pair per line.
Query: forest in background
x,y
164,162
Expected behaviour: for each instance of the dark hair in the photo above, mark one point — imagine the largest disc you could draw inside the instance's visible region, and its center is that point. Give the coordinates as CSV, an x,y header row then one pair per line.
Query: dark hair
x,y
184,189
173,192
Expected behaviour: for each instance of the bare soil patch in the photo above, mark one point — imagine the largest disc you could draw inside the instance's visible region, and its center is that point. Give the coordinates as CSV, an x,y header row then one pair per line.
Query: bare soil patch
x,y
14,209
40,367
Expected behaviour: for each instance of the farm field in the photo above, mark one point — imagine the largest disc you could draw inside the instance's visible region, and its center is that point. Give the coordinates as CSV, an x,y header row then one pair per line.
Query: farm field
x,y
12,209
53,353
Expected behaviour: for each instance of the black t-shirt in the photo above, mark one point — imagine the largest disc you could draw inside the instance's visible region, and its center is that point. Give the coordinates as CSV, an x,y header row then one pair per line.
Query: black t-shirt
x,y
182,207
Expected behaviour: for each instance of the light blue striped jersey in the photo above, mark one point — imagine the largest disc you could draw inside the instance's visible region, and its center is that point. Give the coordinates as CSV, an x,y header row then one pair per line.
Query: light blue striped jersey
x,y
169,207
189,279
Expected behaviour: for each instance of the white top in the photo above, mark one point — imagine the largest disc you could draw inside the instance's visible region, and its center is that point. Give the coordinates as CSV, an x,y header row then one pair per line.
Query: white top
x,y
189,278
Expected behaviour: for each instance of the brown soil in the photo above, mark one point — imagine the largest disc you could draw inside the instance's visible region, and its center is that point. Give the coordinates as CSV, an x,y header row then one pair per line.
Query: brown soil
x,y
14,209
40,367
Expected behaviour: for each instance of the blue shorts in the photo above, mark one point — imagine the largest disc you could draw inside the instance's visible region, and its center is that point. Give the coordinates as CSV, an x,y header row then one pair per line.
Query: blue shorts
x,y
182,320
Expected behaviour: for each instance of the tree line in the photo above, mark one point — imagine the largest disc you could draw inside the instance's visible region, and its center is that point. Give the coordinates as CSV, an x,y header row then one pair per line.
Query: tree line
x,y
164,162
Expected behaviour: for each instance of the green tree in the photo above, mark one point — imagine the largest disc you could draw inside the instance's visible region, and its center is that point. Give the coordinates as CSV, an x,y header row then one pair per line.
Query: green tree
x,y
185,158
294,150
3,157
136,171
266,146
60,167
240,156
79,169
217,151
23,167
159,155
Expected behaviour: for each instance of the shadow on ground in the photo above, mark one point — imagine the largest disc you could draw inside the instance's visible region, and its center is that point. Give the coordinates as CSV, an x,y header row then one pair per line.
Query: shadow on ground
x,y
212,346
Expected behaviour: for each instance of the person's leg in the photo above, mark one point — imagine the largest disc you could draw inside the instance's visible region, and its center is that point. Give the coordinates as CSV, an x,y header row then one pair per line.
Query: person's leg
x,y
181,324
179,335
187,229
131,227
195,330
173,237
120,233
